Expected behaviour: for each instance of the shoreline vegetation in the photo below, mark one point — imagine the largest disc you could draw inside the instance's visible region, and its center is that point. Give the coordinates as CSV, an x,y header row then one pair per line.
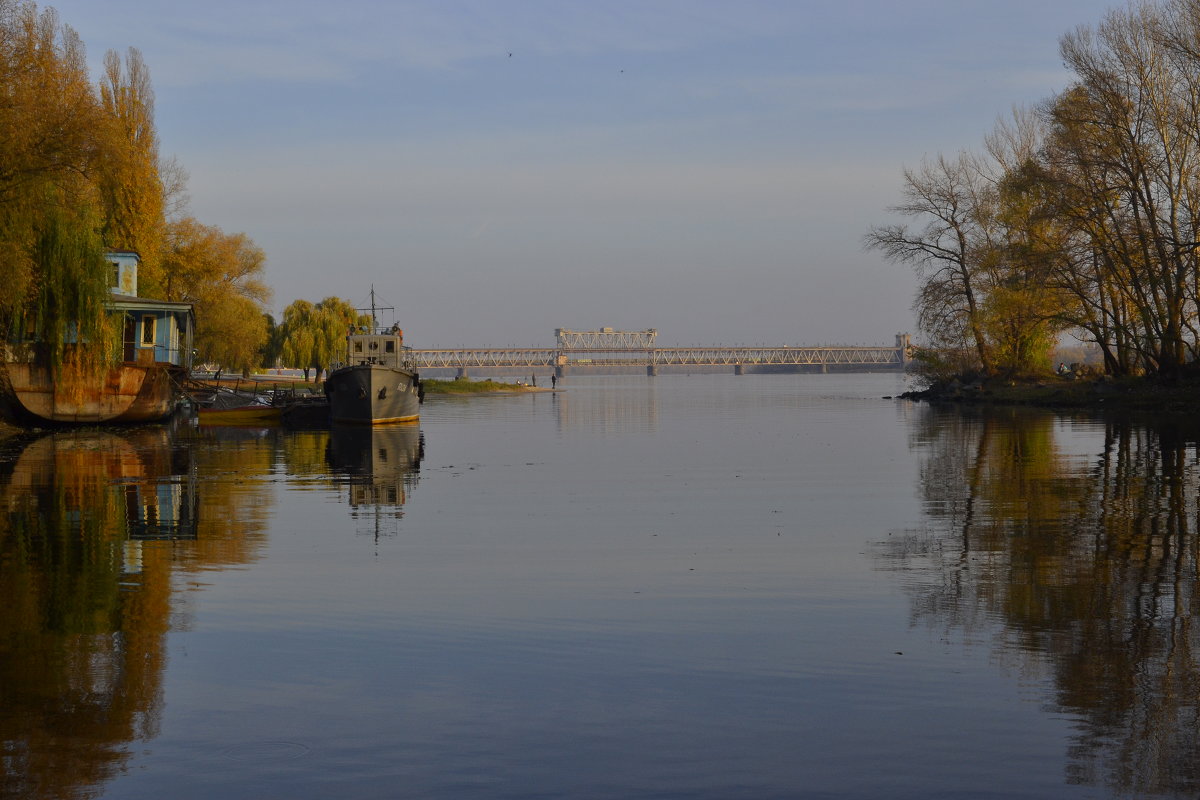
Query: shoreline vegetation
x,y
465,386
1078,218
1086,391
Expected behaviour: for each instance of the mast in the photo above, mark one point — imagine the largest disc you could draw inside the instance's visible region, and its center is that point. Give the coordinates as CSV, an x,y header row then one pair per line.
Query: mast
x,y
373,309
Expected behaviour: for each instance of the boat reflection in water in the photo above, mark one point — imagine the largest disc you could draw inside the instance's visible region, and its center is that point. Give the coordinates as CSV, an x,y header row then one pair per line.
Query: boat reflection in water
x,y
86,605
378,465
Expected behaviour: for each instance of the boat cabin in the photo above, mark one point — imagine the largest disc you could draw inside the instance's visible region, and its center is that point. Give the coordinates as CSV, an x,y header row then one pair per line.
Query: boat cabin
x,y
152,331
380,346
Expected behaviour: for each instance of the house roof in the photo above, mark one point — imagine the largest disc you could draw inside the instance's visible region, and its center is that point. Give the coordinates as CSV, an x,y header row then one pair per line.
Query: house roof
x,y
125,302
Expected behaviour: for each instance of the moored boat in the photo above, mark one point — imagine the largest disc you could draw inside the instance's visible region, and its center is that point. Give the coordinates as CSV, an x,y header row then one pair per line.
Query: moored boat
x,y
376,384
242,415
142,385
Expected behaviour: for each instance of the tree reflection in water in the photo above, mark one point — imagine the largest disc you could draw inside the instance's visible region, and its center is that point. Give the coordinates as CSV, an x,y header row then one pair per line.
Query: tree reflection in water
x,y
93,527
1087,559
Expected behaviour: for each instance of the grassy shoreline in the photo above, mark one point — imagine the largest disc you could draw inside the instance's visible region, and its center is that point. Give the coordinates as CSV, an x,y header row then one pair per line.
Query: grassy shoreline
x,y
435,386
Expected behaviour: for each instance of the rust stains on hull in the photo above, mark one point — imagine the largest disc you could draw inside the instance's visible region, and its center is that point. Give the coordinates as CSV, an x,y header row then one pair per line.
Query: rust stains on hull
x,y
124,393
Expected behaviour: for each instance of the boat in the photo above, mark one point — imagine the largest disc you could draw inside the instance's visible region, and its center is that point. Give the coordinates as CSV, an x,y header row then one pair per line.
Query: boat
x,y
241,415
143,385
307,411
376,384
220,405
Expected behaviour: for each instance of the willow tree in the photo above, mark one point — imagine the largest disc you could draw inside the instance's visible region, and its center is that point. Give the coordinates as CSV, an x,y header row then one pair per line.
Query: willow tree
x,y
334,318
50,147
314,335
68,300
299,335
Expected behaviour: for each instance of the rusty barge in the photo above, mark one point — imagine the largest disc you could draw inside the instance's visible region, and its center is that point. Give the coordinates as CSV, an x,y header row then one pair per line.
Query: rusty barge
x,y
141,385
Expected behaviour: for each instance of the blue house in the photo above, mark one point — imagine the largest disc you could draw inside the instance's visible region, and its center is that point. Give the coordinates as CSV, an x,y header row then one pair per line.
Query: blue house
x,y
152,331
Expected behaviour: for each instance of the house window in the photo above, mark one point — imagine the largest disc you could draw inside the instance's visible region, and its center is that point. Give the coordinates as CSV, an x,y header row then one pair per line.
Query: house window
x,y
147,330
116,274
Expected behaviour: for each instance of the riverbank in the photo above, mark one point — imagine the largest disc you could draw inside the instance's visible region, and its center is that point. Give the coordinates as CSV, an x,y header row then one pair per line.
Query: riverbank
x,y
1141,394
432,386
462,386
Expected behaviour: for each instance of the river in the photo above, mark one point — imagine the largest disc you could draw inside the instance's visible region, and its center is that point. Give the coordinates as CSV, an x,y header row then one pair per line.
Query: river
x,y
707,586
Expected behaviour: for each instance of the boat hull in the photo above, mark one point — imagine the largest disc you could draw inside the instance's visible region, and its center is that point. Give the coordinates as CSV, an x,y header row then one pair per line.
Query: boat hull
x,y
245,415
125,393
370,394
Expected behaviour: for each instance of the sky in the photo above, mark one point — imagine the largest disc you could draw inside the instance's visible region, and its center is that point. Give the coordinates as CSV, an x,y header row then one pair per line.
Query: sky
x,y
497,169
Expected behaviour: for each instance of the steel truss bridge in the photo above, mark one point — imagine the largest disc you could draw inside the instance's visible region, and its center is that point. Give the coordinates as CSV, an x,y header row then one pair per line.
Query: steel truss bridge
x,y
606,348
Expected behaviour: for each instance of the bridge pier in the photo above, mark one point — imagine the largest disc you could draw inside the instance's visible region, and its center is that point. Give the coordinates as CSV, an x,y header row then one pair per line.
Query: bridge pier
x,y
739,369
904,345
652,370
560,371
461,373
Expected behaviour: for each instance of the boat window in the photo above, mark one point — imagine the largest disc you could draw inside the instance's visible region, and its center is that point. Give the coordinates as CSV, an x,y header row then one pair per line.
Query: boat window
x,y
148,329
389,347
358,347
116,274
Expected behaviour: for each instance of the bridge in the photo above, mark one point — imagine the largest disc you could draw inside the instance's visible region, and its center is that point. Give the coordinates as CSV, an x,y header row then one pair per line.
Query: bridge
x,y
612,350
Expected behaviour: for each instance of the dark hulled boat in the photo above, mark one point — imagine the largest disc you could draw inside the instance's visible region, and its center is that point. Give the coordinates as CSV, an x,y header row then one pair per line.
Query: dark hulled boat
x,y
377,384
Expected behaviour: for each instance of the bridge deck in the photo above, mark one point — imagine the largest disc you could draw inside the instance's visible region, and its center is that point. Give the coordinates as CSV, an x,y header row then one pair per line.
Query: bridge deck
x,y
658,356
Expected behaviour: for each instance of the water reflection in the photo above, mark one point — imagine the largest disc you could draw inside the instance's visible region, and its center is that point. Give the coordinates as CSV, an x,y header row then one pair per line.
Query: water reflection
x,y
378,466
618,406
1079,541
86,607
94,526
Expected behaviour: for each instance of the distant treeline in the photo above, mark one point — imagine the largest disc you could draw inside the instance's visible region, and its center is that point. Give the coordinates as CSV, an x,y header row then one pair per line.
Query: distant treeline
x,y
1080,215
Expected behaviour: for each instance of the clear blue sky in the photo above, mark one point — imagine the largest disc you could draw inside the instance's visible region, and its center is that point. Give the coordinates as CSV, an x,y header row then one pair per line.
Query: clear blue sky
x,y
704,168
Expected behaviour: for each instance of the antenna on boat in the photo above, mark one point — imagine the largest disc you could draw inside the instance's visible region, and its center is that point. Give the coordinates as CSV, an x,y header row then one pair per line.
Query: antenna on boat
x,y
374,321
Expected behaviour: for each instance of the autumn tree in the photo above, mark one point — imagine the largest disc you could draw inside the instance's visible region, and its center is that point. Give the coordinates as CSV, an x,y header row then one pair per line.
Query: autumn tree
x,y
131,190
80,171
222,275
1022,307
1125,163
50,147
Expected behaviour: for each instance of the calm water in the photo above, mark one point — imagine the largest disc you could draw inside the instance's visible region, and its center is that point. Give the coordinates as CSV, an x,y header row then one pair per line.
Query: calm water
x,y
763,586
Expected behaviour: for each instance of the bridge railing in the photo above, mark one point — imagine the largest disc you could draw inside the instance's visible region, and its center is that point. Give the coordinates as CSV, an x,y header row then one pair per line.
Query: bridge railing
x,y
458,358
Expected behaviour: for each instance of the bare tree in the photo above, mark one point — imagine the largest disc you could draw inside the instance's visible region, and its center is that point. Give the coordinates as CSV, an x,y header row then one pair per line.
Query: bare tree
x,y
1125,143
952,200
